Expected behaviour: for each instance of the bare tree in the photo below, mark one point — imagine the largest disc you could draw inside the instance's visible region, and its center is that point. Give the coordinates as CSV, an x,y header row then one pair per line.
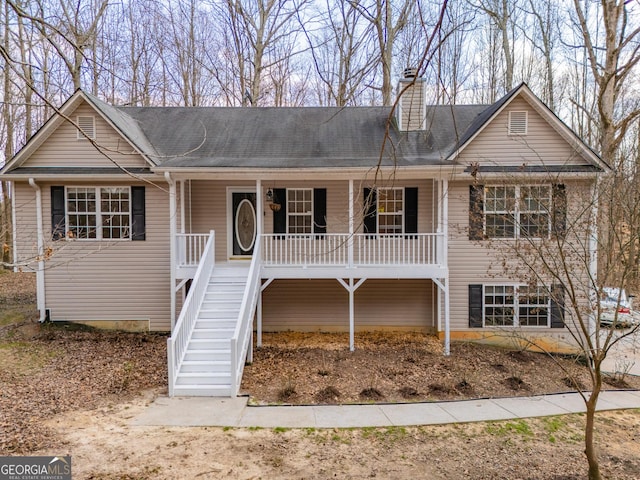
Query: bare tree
x,y
388,18
342,53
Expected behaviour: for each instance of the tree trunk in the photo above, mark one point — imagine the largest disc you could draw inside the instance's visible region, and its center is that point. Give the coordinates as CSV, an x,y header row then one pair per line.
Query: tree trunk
x,y
589,444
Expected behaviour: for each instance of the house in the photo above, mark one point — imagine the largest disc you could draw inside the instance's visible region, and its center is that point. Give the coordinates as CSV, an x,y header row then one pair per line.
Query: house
x,y
221,223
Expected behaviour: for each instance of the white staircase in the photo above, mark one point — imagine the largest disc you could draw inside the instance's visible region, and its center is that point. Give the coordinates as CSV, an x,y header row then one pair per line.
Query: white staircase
x,y
206,367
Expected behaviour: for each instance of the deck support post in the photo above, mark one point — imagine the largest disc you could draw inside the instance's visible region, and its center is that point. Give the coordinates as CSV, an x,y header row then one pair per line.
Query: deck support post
x,y
443,285
250,347
351,287
259,310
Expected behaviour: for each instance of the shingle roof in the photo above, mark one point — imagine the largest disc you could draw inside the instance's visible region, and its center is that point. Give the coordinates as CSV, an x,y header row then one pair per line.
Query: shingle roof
x,y
296,137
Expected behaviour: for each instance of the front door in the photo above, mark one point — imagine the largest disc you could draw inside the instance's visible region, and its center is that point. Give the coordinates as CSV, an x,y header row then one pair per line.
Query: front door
x,y
244,223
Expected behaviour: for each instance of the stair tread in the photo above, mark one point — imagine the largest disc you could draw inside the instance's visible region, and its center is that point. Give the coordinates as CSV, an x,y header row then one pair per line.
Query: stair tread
x,y
203,374
206,362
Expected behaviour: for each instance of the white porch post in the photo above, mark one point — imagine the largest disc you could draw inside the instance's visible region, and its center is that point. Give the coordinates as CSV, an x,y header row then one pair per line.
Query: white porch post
x,y
172,243
445,261
259,230
40,291
445,222
351,237
182,207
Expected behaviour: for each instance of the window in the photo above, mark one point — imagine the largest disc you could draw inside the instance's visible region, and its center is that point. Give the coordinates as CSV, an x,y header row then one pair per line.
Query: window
x,y
299,210
518,123
533,310
390,210
100,213
517,211
499,305
510,306
87,125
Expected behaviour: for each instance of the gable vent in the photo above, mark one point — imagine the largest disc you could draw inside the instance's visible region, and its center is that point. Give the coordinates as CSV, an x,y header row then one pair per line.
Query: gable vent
x,y
517,123
88,126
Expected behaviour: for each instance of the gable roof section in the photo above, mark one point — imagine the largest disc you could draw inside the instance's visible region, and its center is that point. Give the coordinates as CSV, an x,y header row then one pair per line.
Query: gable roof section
x,y
126,127
491,112
175,138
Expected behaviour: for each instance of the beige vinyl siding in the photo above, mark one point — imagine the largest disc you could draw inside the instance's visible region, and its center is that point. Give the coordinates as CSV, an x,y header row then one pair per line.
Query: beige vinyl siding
x,y
477,262
412,106
26,227
323,305
541,145
107,280
64,149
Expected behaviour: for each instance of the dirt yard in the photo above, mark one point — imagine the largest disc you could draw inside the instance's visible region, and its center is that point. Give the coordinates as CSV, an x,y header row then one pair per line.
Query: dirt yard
x,y
74,391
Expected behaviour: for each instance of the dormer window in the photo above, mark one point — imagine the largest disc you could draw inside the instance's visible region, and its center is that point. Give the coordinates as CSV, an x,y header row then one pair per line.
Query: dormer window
x,y
517,123
86,124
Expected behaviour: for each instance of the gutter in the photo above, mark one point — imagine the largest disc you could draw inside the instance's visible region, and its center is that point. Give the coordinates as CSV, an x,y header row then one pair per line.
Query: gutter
x,y
40,273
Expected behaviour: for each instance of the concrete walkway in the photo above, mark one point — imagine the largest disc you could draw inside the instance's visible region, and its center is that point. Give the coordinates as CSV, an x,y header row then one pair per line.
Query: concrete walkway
x,y
234,412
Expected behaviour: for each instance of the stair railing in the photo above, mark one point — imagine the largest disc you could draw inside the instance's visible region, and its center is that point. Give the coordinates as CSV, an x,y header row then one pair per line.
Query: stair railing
x,y
242,334
181,334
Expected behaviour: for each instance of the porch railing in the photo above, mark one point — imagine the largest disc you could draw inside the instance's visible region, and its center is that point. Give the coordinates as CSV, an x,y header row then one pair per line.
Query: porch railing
x,y
331,249
177,343
189,248
342,249
242,334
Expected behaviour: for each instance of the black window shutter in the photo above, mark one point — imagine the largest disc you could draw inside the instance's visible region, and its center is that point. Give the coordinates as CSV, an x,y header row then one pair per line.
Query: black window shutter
x,y
280,217
475,306
370,206
138,211
557,306
319,210
411,210
559,217
58,225
476,212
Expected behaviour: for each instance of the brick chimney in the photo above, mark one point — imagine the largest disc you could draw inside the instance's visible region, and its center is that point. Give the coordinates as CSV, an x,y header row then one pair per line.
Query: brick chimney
x,y
411,108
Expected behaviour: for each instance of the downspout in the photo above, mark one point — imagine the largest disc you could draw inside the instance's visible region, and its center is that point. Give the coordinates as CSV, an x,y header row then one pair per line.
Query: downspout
x,y
14,228
172,243
40,272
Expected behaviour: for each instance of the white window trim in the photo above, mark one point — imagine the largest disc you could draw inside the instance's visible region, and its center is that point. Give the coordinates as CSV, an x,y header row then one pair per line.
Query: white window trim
x,y
516,307
289,214
98,215
401,213
512,122
91,134
517,212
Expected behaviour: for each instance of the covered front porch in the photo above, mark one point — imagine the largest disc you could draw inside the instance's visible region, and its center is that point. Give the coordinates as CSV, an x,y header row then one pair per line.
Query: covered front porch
x,y
350,257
